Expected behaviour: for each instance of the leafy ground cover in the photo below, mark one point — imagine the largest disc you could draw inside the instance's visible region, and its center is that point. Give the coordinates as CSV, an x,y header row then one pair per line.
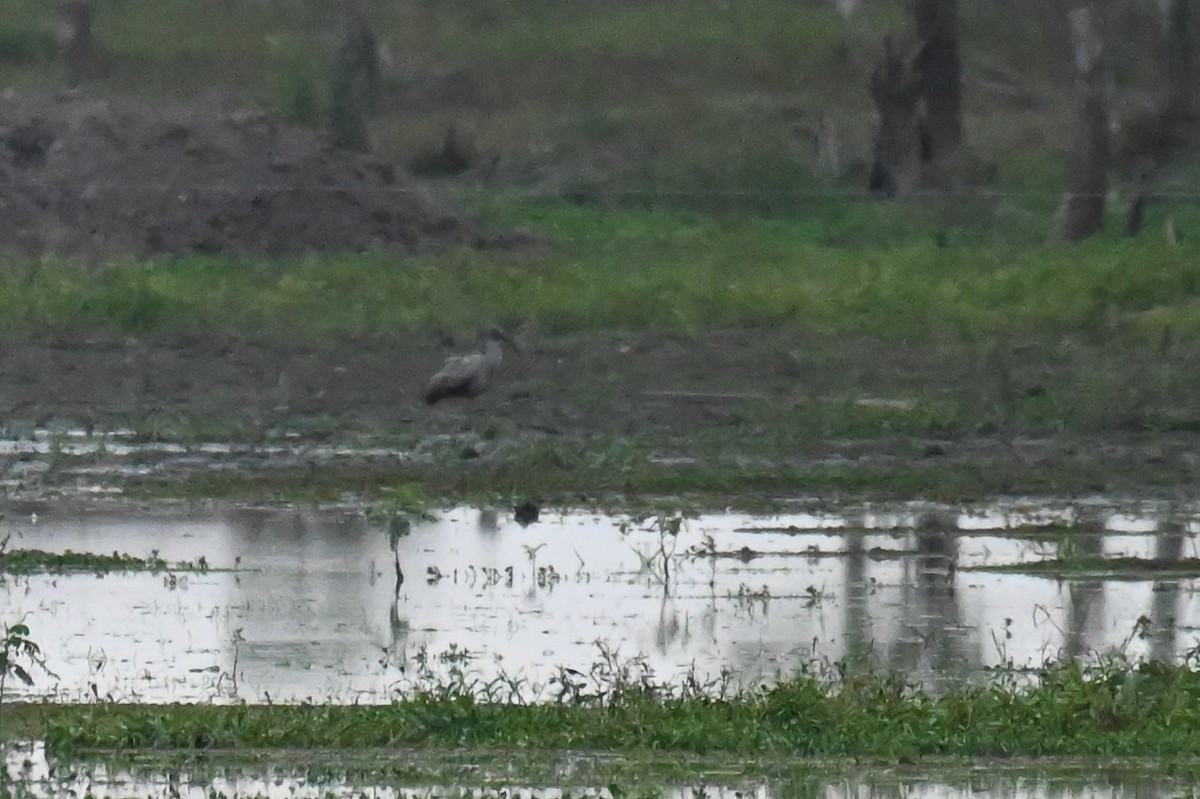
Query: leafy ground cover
x,y
645,270
1114,709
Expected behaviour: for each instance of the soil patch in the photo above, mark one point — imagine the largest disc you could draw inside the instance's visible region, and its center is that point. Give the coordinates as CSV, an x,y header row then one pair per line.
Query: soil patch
x,y
685,398
99,179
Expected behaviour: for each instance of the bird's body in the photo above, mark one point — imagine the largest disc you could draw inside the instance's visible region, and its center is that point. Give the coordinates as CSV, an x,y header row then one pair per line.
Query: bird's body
x,y
468,375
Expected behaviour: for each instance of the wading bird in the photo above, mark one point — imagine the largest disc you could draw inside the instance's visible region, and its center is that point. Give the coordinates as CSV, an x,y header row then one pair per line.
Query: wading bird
x,y
469,375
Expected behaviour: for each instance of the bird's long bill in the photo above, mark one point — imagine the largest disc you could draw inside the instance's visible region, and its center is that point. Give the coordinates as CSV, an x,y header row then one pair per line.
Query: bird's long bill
x,y
509,340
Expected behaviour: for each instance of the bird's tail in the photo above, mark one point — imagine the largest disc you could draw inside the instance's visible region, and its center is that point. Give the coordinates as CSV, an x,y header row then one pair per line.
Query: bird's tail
x,y
436,391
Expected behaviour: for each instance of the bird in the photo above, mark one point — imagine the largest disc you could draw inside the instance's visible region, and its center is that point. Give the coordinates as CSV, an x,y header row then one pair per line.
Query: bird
x,y
469,375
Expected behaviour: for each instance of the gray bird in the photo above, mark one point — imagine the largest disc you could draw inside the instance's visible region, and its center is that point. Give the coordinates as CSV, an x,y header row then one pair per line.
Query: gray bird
x,y
469,375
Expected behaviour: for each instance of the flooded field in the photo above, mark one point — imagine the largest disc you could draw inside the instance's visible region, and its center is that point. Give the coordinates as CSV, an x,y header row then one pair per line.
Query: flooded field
x,y
380,776
301,604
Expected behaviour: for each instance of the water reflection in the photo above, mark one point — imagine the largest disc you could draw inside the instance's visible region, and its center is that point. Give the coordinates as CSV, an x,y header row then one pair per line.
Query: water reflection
x,y
30,774
1170,543
936,641
313,610
1085,603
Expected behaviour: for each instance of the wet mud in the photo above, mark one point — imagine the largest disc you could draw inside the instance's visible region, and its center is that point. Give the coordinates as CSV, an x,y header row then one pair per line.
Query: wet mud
x,y
96,179
688,400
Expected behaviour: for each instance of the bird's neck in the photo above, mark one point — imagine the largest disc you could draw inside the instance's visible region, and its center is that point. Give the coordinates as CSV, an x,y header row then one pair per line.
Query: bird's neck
x,y
493,353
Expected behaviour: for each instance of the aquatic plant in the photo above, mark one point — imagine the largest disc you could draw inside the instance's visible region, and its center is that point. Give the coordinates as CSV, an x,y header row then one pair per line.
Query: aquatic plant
x,y
31,561
237,639
395,511
16,647
1114,708
658,563
668,527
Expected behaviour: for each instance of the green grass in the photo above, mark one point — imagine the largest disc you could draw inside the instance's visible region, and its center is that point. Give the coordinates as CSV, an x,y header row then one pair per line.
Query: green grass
x,y
36,561
647,270
1115,709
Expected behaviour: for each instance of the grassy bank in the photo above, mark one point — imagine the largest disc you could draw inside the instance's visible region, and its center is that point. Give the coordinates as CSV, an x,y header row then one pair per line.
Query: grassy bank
x,y
885,366
645,270
1116,709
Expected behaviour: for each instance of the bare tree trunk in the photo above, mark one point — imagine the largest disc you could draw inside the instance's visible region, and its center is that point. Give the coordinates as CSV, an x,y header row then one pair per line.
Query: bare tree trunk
x,y
940,70
1181,68
1081,211
919,100
76,46
1135,217
898,154
829,153
1150,140
356,78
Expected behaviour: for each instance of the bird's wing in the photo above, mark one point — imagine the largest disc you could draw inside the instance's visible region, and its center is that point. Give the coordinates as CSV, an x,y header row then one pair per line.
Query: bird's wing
x,y
455,377
452,361
462,367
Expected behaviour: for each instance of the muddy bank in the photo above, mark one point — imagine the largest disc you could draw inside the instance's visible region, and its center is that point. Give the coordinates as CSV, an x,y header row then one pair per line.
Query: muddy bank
x,y
98,179
740,400
597,384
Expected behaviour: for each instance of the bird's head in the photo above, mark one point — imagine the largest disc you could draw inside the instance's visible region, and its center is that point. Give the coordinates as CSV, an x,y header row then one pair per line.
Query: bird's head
x,y
500,336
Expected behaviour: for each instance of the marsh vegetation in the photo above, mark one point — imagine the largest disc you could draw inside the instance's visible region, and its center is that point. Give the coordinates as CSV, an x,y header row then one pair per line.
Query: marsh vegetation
x,y
695,285
667,204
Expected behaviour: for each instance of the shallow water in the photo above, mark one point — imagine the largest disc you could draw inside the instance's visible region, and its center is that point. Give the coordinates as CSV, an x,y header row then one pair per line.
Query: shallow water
x,y
31,774
310,607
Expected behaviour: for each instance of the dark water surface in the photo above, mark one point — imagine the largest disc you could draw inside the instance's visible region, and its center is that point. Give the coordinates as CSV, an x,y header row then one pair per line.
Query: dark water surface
x,y
310,607
31,774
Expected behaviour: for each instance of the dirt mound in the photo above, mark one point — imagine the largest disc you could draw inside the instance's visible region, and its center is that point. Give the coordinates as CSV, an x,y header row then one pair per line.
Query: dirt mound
x,y
101,178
